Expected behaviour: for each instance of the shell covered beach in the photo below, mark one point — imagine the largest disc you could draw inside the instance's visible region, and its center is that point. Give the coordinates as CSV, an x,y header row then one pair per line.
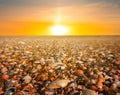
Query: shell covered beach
x,y
60,65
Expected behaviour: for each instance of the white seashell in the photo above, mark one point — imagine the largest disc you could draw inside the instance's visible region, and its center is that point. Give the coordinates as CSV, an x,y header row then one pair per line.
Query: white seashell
x,y
27,79
51,70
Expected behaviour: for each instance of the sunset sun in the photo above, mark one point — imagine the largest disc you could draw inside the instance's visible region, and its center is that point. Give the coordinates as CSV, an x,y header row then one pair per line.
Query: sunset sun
x,y
59,30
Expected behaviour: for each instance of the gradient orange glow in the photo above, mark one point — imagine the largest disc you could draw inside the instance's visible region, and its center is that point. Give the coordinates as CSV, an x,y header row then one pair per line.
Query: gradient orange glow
x,y
86,19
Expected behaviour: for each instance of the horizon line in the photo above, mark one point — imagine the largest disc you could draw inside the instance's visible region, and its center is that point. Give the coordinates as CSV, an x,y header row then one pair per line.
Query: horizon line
x,y
59,35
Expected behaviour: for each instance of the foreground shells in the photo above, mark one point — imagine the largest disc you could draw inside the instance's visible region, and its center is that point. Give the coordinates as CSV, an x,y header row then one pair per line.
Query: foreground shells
x,y
60,66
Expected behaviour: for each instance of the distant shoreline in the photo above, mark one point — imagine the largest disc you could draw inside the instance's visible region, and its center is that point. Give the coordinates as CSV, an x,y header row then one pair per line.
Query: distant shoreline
x,y
69,36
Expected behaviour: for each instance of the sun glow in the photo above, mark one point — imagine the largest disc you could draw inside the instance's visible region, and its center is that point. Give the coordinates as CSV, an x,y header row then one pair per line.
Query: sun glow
x,y
59,30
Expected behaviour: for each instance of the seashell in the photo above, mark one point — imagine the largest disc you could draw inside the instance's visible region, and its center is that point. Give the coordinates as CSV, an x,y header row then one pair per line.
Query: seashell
x,y
79,72
105,88
117,93
116,77
100,89
88,92
80,87
21,42
99,84
10,91
19,93
59,83
27,79
4,69
1,92
101,79
37,62
5,77
93,87
52,78
92,81
51,70
1,66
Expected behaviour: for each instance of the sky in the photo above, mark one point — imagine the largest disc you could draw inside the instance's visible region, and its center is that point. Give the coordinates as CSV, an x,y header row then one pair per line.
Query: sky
x,y
81,17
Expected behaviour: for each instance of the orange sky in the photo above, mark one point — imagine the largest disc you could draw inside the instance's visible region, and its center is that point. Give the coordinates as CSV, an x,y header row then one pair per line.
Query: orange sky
x,y
34,18
43,28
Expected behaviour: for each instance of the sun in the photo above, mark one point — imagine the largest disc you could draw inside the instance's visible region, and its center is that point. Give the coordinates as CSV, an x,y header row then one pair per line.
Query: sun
x,y
59,30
